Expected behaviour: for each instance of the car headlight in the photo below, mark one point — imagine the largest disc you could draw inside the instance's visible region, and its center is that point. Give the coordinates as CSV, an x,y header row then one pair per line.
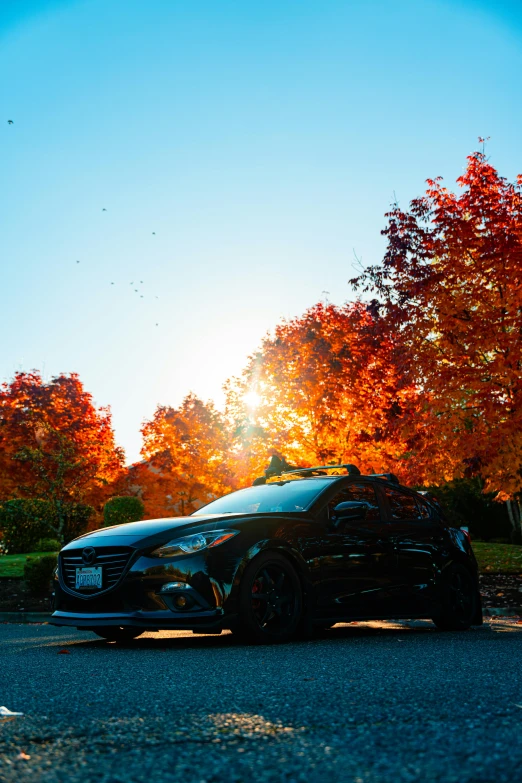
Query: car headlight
x,y
194,543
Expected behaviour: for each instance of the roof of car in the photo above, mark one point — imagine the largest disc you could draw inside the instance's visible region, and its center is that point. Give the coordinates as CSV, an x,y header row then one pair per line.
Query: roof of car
x,y
280,470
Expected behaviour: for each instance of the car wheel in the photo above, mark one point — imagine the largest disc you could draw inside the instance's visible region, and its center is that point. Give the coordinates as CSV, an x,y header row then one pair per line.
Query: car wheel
x,y
270,600
459,600
117,633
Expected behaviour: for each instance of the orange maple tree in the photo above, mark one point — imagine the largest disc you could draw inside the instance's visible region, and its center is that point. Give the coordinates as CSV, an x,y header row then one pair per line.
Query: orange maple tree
x,y
185,453
54,443
451,285
328,391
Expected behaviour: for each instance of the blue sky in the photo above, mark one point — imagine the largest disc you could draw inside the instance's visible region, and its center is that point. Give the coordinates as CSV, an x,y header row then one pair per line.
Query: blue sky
x,y
260,142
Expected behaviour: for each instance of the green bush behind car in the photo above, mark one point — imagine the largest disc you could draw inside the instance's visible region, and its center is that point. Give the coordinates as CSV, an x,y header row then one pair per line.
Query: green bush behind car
x,y
38,573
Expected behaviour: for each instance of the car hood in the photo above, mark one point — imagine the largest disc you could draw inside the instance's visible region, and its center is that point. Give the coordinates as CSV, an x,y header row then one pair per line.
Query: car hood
x,y
133,532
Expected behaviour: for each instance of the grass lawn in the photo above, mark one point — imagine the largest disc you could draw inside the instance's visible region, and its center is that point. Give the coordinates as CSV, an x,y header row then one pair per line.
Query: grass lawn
x,y
498,558
13,565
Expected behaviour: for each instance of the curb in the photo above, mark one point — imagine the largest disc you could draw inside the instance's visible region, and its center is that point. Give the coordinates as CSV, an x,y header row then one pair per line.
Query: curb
x,y
24,617
508,611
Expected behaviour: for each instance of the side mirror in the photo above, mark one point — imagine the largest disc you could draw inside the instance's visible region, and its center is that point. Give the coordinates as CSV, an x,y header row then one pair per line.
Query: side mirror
x,y
349,511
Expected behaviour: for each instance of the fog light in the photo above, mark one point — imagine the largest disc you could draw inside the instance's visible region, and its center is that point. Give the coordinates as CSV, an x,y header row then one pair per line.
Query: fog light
x,y
169,587
181,601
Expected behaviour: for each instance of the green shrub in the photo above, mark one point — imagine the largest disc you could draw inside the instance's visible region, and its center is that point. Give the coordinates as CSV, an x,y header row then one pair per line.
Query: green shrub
x,y
47,545
24,522
38,573
118,511
77,517
464,503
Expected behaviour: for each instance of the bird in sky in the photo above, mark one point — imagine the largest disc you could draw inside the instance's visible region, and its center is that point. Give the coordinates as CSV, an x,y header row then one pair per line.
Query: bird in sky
x,y
154,233
77,262
9,122
157,324
141,281
136,290
112,283
104,210
141,296
131,283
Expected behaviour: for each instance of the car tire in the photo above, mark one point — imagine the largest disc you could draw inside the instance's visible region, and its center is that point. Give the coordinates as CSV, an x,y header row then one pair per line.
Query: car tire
x,y
117,633
270,600
458,600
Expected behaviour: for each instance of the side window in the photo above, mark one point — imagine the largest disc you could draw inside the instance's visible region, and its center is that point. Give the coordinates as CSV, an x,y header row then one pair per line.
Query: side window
x,y
402,506
364,493
424,512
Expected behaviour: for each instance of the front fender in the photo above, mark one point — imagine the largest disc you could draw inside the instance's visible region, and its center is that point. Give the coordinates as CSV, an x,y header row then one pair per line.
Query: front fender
x,y
275,545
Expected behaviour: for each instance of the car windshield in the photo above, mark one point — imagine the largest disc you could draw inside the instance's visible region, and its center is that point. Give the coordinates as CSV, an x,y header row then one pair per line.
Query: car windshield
x,y
282,496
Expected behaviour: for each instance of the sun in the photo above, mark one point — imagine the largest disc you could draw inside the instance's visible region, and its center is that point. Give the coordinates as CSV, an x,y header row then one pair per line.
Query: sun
x,y
252,399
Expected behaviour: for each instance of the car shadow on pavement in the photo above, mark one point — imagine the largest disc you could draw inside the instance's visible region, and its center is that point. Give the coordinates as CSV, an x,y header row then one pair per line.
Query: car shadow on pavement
x,y
340,634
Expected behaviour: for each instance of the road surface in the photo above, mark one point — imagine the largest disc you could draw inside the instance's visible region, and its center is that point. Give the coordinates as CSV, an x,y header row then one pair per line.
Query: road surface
x,y
364,703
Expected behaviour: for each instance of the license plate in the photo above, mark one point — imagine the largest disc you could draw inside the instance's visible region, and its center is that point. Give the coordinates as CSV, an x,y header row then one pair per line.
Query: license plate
x,y
89,578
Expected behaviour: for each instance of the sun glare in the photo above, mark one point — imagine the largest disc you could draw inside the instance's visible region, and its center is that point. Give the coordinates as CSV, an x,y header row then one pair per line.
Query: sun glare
x,y
252,399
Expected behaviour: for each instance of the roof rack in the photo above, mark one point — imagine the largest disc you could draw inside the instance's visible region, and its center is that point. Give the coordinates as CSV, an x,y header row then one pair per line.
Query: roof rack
x,y
388,476
352,470
279,467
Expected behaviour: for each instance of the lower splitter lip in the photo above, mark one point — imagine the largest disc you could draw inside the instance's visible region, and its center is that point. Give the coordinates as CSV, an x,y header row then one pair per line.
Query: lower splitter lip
x,y
154,621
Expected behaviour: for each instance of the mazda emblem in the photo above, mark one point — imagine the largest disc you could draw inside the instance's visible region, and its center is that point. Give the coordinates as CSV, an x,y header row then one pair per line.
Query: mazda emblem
x,y
89,555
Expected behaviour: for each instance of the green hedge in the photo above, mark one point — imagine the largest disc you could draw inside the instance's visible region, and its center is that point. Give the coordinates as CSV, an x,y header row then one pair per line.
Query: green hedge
x,y
24,522
77,516
47,545
464,503
38,573
118,511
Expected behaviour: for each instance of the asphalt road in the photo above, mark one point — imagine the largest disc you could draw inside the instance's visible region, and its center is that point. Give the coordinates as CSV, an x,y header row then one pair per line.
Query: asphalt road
x,y
365,703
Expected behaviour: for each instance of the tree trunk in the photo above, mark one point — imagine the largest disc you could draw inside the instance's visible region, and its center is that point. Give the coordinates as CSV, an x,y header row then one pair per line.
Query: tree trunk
x,y
515,517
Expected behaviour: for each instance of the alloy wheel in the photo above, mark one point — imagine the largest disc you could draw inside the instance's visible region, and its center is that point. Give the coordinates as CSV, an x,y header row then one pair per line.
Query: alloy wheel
x,y
274,601
461,595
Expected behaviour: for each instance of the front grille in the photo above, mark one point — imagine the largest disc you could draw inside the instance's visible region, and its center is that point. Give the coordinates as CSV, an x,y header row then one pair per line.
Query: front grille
x,y
112,560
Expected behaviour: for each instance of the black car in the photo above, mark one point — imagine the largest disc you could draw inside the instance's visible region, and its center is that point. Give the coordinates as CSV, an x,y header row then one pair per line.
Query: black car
x,y
299,550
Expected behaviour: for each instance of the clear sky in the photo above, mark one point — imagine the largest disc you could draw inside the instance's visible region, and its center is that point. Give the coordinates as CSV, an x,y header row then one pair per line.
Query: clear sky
x,y
261,142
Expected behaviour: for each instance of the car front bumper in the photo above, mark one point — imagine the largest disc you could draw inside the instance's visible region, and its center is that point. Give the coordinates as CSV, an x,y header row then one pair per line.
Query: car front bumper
x,y
139,599
153,621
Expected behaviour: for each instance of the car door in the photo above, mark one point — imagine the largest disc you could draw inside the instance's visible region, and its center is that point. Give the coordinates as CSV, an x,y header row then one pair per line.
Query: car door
x,y
355,562
416,536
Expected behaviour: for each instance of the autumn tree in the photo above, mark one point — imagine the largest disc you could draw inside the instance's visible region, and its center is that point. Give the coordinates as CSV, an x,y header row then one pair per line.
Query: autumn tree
x,y
450,285
54,443
325,388
185,453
